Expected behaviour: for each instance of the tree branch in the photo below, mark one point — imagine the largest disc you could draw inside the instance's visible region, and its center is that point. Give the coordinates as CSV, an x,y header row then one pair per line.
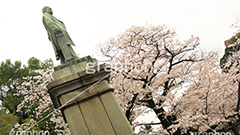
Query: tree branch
x,y
157,123
129,109
189,60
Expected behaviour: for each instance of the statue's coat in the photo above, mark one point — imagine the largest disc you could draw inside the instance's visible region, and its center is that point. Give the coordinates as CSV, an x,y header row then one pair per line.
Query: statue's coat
x,y
53,25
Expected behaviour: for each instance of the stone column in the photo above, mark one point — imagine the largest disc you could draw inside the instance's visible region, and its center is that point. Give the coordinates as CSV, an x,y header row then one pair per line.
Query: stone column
x,y
96,111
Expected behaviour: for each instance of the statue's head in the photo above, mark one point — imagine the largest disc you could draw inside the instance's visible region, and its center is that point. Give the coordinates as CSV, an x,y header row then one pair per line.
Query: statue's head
x,y
47,9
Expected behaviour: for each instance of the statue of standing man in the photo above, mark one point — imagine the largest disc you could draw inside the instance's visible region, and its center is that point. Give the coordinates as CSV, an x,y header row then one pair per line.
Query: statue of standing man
x,y
59,37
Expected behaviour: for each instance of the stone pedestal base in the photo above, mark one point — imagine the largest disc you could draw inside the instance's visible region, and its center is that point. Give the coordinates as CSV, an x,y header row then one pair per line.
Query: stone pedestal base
x,y
96,111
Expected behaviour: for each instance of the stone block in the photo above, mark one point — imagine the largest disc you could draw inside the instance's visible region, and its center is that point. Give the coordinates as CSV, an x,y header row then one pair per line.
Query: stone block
x,y
94,112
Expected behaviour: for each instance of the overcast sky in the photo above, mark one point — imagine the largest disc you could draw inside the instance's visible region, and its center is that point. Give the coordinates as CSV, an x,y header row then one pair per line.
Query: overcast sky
x,y
90,22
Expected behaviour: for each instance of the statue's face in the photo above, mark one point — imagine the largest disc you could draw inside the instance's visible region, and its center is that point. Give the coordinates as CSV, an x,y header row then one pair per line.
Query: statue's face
x,y
49,10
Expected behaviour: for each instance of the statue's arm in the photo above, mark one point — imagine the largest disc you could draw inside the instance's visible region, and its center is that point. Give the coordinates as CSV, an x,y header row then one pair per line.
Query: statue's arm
x,y
49,37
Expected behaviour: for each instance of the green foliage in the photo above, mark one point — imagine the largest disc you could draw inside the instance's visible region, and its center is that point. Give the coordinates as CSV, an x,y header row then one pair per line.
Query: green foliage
x,y
34,64
11,77
146,129
7,121
26,124
37,105
229,51
47,124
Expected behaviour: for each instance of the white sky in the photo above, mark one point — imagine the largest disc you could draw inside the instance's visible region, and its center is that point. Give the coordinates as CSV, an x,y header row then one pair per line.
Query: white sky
x,y
90,22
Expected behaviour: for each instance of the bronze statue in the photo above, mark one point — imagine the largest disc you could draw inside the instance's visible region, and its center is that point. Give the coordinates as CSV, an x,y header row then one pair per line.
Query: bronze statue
x,y
59,37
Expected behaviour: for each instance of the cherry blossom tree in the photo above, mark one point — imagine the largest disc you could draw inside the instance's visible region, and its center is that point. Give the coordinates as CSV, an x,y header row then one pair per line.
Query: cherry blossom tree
x,y
211,102
37,104
149,66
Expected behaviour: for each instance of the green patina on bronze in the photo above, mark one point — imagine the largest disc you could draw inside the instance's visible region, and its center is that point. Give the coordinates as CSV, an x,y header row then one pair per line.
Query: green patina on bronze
x,y
75,61
59,36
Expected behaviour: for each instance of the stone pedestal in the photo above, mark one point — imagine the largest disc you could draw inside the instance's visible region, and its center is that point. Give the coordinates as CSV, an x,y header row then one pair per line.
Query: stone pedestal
x,y
96,111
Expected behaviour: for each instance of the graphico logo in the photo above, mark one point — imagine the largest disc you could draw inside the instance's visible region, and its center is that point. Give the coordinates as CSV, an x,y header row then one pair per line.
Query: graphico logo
x,y
93,67
29,133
